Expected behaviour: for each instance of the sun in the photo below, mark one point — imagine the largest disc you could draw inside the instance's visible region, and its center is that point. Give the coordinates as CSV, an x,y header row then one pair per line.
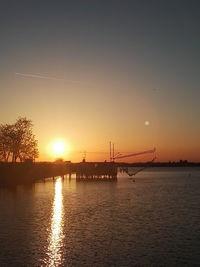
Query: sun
x,y
58,148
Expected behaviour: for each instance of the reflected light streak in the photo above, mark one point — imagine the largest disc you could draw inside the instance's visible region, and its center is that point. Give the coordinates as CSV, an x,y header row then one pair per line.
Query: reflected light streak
x,y
56,235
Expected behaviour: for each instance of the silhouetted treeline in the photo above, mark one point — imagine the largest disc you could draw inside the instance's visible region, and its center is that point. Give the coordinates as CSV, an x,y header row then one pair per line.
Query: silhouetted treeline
x,y
181,163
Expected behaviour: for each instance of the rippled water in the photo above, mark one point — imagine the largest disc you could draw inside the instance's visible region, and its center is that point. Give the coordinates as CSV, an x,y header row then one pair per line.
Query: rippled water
x,y
154,221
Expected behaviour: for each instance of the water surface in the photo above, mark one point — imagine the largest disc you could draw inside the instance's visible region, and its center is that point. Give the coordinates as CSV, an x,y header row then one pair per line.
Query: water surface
x,y
153,221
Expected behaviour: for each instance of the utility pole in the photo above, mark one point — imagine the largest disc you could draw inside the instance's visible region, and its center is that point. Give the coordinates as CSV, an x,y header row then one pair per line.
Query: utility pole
x,y
113,157
110,151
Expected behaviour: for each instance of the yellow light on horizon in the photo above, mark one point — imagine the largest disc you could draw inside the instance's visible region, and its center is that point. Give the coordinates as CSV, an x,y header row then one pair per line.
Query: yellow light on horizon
x,y
58,148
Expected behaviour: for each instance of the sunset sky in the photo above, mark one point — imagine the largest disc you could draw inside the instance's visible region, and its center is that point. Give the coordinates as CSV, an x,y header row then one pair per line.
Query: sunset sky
x,y
90,72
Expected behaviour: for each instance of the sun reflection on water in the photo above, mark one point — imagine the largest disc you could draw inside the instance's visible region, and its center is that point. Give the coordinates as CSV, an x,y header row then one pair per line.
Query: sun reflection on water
x,y
56,235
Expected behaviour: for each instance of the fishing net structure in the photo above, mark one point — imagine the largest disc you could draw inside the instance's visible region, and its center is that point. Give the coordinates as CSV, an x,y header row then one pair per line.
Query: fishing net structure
x,y
131,171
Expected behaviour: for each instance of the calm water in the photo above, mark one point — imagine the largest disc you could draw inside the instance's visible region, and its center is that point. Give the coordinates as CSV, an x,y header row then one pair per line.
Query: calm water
x,y
154,221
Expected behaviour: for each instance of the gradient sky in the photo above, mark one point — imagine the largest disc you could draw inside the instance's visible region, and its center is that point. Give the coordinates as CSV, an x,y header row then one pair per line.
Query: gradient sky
x,y
95,71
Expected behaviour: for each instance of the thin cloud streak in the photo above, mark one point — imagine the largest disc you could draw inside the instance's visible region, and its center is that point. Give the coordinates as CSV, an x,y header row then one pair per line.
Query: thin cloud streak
x,y
38,76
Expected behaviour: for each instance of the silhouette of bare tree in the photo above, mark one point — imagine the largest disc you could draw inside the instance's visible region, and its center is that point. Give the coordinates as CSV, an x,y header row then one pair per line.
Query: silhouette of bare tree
x,y
17,141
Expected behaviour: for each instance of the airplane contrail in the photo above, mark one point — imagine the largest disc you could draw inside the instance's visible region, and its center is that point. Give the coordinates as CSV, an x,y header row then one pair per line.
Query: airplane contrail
x,y
38,76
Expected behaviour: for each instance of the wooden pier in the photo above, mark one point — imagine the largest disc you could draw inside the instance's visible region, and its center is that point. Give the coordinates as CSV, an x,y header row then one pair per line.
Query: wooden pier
x,y
16,173
21,173
95,171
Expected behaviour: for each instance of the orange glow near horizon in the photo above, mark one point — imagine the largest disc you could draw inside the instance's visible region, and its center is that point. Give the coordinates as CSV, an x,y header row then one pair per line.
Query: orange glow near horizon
x,y
86,119
76,152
